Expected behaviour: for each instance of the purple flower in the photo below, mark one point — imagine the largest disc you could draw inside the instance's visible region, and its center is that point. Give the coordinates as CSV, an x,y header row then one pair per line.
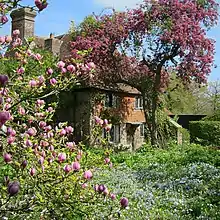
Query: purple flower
x,y
76,166
24,164
101,188
32,131
13,188
67,168
124,202
61,157
10,140
3,79
87,174
53,81
71,68
112,196
33,83
4,117
107,160
28,143
69,130
32,171
3,19
49,71
7,157
60,64
16,32
63,132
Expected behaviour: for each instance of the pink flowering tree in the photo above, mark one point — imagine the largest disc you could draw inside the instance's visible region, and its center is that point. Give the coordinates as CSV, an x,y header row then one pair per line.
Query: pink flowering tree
x,y
43,173
141,47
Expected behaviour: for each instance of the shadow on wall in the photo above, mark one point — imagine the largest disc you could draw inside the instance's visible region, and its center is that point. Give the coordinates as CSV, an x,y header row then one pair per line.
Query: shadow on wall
x,y
184,120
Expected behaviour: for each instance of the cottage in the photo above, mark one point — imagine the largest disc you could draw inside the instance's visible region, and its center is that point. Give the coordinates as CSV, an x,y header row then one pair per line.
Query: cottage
x,y
121,104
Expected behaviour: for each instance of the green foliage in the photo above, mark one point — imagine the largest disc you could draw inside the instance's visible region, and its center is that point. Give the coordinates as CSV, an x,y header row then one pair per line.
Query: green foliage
x,y
213,117
177,97
185,135
205,132
180,182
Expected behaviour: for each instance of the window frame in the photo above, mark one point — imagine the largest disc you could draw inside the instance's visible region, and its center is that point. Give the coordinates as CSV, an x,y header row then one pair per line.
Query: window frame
x,y
112,101
138,104
114,134
142,130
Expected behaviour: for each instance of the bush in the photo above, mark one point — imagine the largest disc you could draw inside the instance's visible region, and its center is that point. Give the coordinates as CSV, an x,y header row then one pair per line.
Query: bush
x,y
205,132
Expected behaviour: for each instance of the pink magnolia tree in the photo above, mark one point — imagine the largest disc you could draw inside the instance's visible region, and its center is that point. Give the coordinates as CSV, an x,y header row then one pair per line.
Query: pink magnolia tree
x,y
141,47
43,173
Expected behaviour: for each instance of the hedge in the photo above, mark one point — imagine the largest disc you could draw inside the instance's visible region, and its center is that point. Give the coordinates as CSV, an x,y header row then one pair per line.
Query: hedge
x,y
205,132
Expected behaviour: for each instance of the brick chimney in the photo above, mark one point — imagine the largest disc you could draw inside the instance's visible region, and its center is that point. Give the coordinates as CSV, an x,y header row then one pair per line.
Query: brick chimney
x,y
23,20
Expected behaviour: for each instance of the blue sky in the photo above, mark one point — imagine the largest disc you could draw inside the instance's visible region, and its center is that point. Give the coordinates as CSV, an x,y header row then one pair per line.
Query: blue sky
x,y
56,19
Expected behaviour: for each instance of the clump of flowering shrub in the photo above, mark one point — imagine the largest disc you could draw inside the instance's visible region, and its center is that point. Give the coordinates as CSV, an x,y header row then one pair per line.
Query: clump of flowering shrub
x,y
44,174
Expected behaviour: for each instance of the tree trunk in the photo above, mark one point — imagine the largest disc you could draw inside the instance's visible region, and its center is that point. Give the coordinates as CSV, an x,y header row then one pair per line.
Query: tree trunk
x,y
150,109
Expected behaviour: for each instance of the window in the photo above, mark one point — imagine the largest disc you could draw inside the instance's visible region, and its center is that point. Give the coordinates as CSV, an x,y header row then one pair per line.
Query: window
x,y
112,101
142,128
138,103
114,134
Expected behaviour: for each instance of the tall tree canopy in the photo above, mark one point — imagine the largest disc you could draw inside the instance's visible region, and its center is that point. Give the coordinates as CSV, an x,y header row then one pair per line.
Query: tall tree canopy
x,y
140,47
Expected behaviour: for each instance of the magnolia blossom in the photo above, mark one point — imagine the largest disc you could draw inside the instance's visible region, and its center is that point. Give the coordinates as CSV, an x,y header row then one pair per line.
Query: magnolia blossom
x,y
49,71
84,185
69,130
3,79
21,110
33,83
67,168
107,160
20,70
3,19
61,157
40,102
53,81
63,132
24,164
41,4
28,143
91,65
32,171
42,124
87,174
10,140
71,68
61,64
4,117
124,202
2,40
38,56
7,157
13,188
76,166
63,70
112,196
8,39
32,131
16,32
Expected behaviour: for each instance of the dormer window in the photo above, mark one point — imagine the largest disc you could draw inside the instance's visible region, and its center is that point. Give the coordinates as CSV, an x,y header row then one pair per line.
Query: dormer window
x,y
138,103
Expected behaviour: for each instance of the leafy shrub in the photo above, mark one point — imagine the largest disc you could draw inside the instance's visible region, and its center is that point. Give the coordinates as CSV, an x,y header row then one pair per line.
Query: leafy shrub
x,y
185,135
205,132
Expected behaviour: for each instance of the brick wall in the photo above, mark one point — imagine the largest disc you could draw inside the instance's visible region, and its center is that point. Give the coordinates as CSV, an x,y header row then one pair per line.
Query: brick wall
x,y
131,114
